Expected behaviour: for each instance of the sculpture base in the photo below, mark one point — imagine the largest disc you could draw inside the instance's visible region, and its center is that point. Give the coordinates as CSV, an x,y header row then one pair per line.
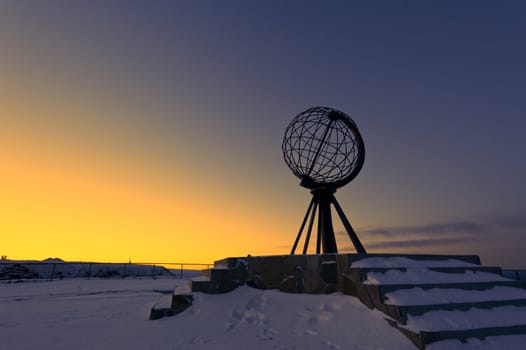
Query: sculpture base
x,y
314,274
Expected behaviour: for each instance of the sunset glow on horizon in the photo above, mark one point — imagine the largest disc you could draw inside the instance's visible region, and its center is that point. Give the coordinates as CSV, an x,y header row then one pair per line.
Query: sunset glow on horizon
x,y
152,132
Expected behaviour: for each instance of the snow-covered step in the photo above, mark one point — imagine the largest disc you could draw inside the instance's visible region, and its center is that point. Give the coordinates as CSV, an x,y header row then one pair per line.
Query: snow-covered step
x,y
425,276
200,284
419,296
459,269
473,318
413,260
172,303
427,340
478,322
404,312
416,301
376,295
383,289
436,298
162,307
216,280
489,343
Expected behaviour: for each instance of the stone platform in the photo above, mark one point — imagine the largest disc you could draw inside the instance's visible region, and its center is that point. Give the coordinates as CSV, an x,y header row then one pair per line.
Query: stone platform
x,y
313,274
429,298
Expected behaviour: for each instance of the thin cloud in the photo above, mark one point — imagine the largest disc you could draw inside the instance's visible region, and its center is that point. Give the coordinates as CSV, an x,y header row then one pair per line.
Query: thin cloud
x,y
433,228
515,221
420,243
436,234
510,223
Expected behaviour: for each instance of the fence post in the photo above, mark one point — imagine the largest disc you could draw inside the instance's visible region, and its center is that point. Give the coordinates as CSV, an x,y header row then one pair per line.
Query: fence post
x,y
153,271
53,272
181,274
89,270
124,271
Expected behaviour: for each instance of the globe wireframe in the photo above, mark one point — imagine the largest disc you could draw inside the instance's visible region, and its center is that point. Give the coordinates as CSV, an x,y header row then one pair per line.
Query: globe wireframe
x,y
323,147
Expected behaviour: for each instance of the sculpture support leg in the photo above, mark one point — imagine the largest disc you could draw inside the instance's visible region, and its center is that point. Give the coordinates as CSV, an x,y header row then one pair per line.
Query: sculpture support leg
x,y
322,201
352,235
325,224
318,240
309,230
302,227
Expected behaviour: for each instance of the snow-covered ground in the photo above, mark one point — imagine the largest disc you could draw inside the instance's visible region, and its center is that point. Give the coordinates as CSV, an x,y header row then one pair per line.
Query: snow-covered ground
x,y
113,314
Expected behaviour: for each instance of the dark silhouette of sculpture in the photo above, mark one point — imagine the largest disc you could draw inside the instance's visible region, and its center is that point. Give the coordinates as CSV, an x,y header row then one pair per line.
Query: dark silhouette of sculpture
x,y
323,147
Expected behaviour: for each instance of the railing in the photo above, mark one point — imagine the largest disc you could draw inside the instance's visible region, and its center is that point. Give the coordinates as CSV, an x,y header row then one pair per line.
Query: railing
x,y
30,270
33,270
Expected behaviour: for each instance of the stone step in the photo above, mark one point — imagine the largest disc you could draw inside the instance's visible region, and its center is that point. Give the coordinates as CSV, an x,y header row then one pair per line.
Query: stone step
x,y
225,276
231,263
426,276
421,339
216,273
382,289
401,312
200,284
473,289
206,273
182,298
173,303
161,308
417,296
469,259
220,282
374,295
363,271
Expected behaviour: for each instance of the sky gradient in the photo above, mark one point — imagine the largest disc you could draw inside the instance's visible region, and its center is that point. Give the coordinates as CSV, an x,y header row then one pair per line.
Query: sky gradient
x,y
152,131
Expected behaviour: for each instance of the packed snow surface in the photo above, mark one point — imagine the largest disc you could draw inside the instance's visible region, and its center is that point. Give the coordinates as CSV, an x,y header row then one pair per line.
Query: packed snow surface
x,y
113,314
397,261
442,320
424,275
418,296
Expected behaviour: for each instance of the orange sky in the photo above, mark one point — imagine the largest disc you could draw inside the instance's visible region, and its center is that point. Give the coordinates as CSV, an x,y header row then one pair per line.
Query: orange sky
x,y
75,187
79,184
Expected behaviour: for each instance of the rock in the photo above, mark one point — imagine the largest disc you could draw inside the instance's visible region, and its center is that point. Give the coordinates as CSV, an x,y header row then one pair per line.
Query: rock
x,y
257,282
329,272
289,285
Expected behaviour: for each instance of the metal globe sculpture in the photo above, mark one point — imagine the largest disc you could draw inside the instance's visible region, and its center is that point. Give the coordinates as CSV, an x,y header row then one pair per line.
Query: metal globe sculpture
x,y
323,147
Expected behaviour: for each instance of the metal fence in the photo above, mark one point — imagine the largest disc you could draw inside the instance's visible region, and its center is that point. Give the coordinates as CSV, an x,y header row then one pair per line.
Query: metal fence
x,y
31,270
22,270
